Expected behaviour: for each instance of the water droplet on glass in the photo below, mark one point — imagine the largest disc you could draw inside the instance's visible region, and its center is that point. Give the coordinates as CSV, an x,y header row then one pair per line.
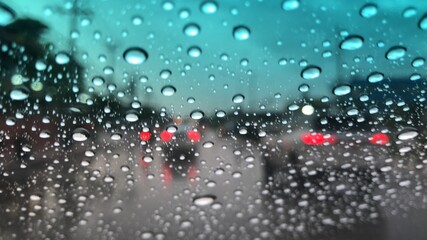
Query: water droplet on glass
x,y
369,10
108,179
116,136
375,77
131,116
165,73
422,24
352,43
62,58
184,13
311,72
209,7
168,90
307,110
117,210
418,62
7,14
220,114
238,98
205,200
395,53
409,12
191,30
304,88
19,94
194,52
168,5
197,114
98,81
241,33
342,90
80,135
208,144
35,197
44,134
289,5
40,65
135,55
136,20
407,134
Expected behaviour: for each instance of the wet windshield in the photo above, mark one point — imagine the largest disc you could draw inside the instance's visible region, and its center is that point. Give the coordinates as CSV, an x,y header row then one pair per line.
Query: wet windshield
x,y
252,119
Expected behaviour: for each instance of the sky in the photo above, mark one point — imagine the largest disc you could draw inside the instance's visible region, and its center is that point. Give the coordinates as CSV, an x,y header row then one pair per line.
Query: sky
x,y
297,39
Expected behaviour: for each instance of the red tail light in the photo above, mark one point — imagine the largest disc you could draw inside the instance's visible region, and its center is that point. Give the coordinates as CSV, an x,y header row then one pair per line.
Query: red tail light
x,y
379,139
193,135
166,136
145,136
317,139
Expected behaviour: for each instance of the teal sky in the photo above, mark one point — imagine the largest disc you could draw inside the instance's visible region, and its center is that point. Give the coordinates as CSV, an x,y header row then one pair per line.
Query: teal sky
x,y
301,37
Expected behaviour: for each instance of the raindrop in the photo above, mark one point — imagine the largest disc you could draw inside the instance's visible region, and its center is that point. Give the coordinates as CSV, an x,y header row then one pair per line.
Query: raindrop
x,y
44,134
10,121
117,210
241,33
289,5
168,90
307,110
80,135
19,94
35,197
135,55
165,73
191,30
208,144
422,24
375,77
197,114
131,116
407,134
108,179
40,65
194,52
62,58
409,12
98,81
352,43
220,114
7,14
168,6
369,10
205,200
418,62
342,90
116,136
311,72
293,107
184,13
395,53
238,98
209,7
304,88
136,20
125,168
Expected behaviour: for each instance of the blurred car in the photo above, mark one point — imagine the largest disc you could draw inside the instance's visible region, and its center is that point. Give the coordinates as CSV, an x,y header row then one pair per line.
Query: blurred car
x,y
177,144
335,144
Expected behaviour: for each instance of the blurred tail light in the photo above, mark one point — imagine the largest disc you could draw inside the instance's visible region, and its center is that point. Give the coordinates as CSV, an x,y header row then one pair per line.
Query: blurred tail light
x,y
145,136
379,139
317,139
166,136
193,135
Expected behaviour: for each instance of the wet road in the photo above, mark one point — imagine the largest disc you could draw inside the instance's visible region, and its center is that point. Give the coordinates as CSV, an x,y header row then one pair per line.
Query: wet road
x,y
109,186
